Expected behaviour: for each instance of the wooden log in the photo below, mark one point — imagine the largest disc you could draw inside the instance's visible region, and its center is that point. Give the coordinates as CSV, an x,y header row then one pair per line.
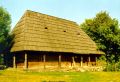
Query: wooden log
x,y
14,61
59,63
25,62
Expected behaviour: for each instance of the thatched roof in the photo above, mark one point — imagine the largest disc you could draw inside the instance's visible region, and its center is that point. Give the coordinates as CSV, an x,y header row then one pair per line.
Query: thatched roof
x,y
40,32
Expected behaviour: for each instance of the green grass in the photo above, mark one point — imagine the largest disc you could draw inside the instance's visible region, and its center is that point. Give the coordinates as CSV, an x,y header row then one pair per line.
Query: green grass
x,y
13,75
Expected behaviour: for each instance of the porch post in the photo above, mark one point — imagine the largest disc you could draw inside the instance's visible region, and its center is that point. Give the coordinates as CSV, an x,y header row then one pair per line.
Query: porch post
x,y
59,64
44,60
81,62
96,60
39,62
89,60
73,60
14,61
25,62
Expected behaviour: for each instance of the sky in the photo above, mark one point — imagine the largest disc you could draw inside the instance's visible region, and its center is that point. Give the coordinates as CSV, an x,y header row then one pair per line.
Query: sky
x,y
74,10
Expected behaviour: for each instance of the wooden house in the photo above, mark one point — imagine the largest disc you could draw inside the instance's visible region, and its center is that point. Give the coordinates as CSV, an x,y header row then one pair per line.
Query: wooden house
x,y
43,41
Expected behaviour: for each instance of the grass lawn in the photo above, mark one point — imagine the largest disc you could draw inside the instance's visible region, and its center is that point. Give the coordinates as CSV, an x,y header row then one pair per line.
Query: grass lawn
x,y
10,75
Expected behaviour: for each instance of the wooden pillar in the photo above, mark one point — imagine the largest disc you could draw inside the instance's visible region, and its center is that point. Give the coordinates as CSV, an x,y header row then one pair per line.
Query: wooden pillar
x,y
44,60
73,61
39,62
14,61
81,61
25,62
89,60
96,60
59,63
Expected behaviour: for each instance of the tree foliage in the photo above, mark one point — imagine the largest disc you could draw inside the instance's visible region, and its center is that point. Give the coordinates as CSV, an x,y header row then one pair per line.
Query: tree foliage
x,y
5,21
105,31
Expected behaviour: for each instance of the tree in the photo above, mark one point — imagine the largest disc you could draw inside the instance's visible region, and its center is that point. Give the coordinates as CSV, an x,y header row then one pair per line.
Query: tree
x,y
105,31
5,21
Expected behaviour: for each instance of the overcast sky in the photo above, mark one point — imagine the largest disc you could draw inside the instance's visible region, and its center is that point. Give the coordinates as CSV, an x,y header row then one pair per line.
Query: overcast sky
x,y
75,10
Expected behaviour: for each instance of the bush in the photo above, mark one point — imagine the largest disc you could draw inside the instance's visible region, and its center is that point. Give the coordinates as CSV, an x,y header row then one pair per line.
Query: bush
x,y
1,59
2,67
118,66
112,67
109,66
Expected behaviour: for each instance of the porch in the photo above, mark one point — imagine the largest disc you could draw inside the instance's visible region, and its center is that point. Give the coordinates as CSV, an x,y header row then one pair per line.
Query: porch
x,y
52,60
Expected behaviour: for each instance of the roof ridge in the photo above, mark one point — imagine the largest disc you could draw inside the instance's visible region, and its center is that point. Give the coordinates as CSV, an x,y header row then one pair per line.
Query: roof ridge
x,y
52,16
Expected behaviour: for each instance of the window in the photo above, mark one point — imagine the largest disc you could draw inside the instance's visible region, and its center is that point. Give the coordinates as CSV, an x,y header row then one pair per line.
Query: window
x,y
64,31
78,33
46,28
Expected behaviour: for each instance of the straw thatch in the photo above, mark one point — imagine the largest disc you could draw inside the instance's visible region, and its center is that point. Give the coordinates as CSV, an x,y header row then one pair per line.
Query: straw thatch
x,y
40,32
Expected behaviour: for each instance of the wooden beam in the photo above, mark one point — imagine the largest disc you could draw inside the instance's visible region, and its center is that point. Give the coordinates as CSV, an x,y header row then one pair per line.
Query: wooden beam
x,y
25,62
44,60
81,61
59,63
14,61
